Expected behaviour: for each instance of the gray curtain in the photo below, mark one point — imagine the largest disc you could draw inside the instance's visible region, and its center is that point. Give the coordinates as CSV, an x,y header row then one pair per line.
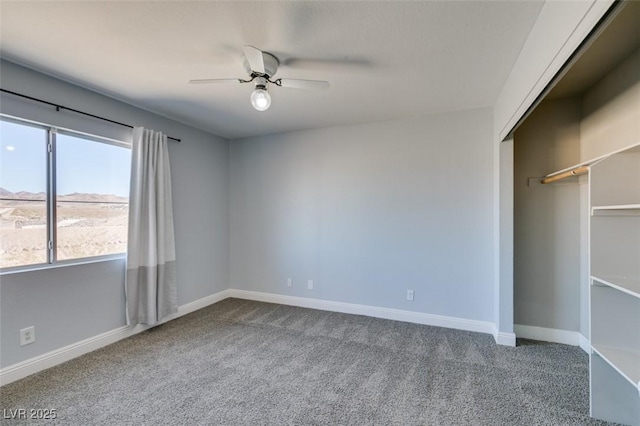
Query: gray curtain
x,y
150,284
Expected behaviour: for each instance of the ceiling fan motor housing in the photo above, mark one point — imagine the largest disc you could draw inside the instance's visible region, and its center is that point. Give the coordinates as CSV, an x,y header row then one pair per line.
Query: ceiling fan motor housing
x,y
270,64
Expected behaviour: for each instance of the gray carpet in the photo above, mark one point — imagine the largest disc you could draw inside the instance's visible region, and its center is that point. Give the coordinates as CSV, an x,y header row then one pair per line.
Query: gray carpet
x,y
241,362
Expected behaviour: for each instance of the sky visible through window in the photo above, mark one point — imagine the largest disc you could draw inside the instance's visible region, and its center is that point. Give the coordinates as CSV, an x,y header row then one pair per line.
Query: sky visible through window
x,y
82,166
23,159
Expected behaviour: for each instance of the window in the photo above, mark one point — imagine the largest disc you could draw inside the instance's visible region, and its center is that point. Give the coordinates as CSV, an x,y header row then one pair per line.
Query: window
x,y
23,192
78,182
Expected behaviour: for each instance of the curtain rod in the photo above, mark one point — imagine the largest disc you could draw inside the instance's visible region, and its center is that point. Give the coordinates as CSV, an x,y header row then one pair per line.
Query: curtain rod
x,y
59,107
573,172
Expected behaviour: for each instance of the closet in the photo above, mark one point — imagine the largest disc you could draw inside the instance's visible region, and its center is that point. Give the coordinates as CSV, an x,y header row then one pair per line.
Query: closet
x,y
577,212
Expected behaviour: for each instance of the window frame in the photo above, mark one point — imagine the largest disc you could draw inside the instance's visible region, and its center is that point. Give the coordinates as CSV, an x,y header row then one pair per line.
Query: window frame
x,y
51,194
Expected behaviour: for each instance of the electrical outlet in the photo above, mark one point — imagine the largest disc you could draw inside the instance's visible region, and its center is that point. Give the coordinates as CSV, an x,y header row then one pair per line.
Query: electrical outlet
x,y
289,282
410,295
310,284
27,335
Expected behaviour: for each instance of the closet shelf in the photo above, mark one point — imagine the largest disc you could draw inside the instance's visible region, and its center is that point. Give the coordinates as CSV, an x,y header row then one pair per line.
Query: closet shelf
x,y
626,285
624,361
617,210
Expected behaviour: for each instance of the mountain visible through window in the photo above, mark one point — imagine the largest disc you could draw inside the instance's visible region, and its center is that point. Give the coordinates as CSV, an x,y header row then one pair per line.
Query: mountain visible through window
x,y
91,205
92,201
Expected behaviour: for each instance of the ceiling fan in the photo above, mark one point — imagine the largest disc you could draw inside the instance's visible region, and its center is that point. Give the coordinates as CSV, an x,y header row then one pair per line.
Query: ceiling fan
x,y
261,67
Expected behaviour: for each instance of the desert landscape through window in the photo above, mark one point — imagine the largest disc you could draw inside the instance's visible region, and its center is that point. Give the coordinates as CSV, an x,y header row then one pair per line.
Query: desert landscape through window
x,y
91,206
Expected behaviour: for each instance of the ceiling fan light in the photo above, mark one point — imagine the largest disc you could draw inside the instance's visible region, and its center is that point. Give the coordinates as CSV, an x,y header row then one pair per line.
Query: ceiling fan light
x,y
260,99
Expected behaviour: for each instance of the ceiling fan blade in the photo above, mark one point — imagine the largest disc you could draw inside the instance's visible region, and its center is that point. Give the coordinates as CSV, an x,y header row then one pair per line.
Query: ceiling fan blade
x,y
302,84
215,80
255,58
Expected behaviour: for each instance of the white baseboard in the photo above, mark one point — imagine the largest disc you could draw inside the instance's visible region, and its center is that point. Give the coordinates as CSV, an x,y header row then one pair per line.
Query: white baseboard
x,y
371,311
33,365
503,338
584,343
58,356
42,362
199,304
573,338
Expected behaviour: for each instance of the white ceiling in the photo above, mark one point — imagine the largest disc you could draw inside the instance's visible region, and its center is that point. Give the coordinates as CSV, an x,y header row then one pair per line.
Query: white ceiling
x,y
384,60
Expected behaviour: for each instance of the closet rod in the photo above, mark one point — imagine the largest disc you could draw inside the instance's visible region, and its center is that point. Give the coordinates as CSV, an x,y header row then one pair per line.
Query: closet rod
x,y
59,107
573,172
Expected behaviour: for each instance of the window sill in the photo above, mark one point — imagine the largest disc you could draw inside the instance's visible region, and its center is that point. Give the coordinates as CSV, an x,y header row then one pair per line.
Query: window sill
x,y
62,264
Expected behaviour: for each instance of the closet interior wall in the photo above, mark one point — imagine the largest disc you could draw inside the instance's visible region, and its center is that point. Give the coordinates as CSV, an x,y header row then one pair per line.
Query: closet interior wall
x,y
549,261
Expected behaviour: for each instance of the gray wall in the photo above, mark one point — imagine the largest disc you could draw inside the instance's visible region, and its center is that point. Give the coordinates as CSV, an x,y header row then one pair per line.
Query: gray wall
x,y
503,248
611,110
71,303
369,211
547,219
